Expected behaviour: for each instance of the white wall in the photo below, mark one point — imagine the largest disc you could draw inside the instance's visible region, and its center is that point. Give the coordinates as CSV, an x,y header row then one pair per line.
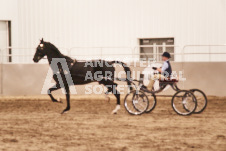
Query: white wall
x,y
68,23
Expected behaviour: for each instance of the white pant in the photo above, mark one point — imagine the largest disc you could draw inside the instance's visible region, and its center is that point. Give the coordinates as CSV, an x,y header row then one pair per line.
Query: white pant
x,y
152,81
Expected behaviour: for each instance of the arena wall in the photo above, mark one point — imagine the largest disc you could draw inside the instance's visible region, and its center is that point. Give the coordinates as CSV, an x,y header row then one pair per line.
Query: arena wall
x,y
28,79
1,79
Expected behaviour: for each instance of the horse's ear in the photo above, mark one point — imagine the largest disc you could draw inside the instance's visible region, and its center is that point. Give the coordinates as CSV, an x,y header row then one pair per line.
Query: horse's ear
x,y
41,41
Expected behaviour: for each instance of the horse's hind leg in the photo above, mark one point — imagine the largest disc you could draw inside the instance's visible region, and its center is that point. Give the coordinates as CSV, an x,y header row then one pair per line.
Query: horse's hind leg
x,y
107,97
53,88
117,95
112,88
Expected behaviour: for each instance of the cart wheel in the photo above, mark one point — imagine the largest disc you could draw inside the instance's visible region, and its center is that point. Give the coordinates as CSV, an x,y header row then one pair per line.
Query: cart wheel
x,y
136,102
184,98
201,100
152,103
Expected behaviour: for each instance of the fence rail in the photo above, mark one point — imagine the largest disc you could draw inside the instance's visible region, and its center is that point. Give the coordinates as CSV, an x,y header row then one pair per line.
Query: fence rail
x,y
187,53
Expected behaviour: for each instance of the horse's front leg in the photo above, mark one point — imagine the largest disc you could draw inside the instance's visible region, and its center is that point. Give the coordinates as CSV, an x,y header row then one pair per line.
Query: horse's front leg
x,y
67,90
53,88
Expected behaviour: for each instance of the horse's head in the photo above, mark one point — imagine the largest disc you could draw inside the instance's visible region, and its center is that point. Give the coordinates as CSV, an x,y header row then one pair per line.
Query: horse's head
x,y
40,51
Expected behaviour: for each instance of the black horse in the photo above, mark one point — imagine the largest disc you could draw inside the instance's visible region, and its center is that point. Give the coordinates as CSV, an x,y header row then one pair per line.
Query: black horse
x,y
78,72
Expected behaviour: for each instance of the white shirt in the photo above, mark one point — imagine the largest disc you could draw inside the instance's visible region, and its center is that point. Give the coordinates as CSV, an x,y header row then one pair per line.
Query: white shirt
x,y
165,66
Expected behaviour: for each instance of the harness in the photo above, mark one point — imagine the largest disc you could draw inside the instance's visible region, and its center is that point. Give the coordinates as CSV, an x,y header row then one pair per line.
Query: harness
x,y
72,64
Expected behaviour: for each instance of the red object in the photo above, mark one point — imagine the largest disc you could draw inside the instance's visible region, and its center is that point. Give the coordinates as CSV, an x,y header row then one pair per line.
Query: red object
x,y
169,80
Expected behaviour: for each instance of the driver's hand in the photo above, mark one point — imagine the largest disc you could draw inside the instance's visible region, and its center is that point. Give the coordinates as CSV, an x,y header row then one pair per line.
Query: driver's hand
x,y
159,70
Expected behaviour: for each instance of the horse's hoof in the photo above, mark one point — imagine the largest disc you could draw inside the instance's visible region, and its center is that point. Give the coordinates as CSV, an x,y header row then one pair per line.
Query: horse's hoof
x,y
116,109
59,100
63,112
107,99
113,112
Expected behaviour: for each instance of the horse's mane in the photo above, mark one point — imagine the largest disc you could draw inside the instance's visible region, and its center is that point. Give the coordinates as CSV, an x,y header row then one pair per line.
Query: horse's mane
x,y
55,49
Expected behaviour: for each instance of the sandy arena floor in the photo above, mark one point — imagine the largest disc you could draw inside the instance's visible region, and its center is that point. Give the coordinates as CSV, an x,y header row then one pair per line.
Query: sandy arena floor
x,y
34,123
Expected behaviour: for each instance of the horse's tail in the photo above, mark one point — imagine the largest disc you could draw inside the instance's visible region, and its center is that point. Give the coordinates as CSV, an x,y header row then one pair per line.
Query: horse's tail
x,y
127,70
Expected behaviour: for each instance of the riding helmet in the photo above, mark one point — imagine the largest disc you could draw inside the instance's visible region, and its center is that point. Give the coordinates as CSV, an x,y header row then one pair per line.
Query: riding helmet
x,y
166,54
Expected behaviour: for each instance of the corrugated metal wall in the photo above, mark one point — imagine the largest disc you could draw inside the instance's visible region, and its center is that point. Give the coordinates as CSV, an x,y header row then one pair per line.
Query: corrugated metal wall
x,y
120,22
68,23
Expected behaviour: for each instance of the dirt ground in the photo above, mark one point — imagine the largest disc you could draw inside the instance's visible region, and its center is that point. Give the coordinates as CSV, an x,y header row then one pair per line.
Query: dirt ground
x,y
34,123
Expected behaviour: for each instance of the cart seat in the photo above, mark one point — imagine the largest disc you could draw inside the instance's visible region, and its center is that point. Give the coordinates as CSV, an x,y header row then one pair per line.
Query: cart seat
x,y
169,80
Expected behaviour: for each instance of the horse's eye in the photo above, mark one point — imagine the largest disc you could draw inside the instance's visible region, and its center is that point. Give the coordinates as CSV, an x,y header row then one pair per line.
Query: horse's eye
x,y
41,45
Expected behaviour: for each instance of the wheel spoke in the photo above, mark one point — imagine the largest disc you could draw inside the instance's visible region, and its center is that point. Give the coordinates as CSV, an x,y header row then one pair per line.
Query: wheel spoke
x,y
201,100
184,102
136,102
152,103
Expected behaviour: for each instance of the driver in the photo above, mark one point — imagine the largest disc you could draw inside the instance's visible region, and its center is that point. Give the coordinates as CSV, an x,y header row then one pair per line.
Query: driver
x,y
164,72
